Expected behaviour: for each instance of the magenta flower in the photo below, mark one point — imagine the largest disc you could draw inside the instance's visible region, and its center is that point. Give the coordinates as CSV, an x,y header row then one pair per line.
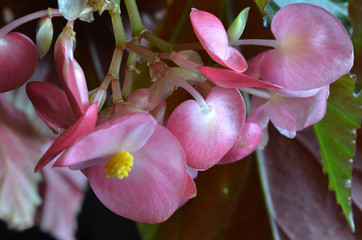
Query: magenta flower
x,y
18,58
136,167
313,49
206,135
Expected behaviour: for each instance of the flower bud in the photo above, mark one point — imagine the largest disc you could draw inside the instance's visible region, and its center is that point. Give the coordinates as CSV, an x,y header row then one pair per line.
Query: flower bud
x,y
237,27
71,9
44,36
188,55
97,95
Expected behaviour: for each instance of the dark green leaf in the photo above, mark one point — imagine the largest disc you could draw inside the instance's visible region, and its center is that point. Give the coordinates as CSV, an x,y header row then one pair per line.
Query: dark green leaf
x,y
338,8
336,134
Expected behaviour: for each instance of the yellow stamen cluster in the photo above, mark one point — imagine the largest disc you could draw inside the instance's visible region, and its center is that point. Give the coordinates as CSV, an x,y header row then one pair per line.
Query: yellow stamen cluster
x,y
119,165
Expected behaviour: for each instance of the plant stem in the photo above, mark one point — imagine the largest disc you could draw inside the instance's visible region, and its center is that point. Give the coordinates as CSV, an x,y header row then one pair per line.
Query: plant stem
x,y
134,17
266,193
259,42
256,92
16,23
142,51
129,72
195,94
156,41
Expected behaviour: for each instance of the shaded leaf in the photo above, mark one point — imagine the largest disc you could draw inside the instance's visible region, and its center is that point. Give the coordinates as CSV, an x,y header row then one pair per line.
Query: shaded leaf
x,y
336,134
338,8
303,205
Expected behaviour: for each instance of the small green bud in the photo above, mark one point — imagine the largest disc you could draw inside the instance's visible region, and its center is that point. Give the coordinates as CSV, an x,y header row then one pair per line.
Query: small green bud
x,y
44,36
237,27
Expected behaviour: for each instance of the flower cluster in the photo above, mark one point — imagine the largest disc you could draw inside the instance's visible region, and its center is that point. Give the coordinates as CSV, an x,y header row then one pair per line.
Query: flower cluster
x,y
140,160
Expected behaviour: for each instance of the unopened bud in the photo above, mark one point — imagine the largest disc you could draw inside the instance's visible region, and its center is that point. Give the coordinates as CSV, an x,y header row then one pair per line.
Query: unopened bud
x,y
189,55
44,36
237,27
72,9
188,75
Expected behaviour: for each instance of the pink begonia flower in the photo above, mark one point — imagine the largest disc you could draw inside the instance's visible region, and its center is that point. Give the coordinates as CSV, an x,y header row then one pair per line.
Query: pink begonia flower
x,y
18,58
248,140
230,79
63,192
80,128
20,148
212,35
136,167
70,73
52,105
291,114
207,135
313,49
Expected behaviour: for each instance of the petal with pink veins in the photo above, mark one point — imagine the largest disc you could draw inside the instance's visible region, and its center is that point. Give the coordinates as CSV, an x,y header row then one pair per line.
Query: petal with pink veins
x,y
152,191
207,135
231,79
80,128
18,59
248,140
125,133
212,35
313,49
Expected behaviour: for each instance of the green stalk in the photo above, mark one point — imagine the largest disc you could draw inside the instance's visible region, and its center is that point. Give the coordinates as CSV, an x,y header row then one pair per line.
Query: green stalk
x,y
134,17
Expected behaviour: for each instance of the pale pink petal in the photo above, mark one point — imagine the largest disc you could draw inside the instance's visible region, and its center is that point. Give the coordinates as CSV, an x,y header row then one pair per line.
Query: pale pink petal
x,y
190,188
62,192
295,114
248,140
212,35
51,104
81,127
231,79
207,136
18,58
125,133
257,112
313,49
155,185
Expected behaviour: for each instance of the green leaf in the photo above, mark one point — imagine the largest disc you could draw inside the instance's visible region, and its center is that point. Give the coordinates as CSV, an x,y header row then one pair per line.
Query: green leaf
x,y
338,8
336,134
355,9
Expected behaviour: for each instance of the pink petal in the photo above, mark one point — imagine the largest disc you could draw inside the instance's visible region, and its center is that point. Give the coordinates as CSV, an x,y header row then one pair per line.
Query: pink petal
x,y
249,139
126,133
62,192
207,136
295,114
190,188
212,35
71,75
231,79
314,49
155,185
51,104
18,58
81,127
20,147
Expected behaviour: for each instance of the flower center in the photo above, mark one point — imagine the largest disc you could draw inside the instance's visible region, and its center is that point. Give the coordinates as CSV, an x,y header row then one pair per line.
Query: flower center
x,y
119,165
